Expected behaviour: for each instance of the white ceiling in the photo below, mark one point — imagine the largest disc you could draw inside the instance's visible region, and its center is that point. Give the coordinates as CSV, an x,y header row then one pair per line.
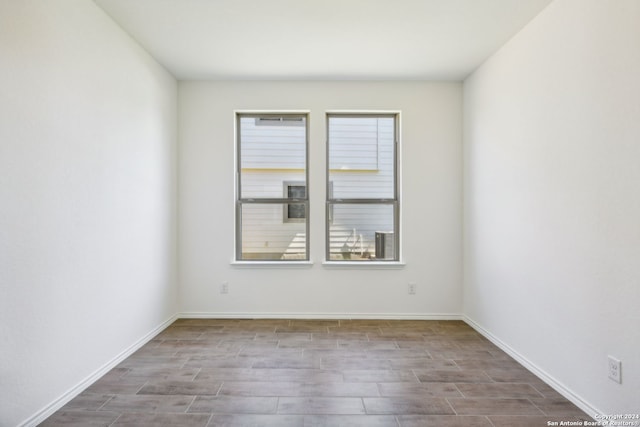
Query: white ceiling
x,y
322,39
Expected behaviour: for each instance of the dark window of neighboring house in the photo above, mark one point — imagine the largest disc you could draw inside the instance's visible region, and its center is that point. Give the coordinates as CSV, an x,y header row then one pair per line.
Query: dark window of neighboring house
x,y
295,211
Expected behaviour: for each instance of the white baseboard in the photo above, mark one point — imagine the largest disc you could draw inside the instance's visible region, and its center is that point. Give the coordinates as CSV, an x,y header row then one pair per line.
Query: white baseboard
x,y
540,373
329,316
52,407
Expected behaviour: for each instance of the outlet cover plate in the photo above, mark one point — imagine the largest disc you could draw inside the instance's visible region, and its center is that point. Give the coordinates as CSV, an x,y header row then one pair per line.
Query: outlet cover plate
x,y
412,288
615,367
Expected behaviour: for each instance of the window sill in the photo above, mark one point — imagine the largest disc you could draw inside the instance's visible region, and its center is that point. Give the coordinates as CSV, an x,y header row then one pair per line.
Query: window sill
x,y
272,264
365,265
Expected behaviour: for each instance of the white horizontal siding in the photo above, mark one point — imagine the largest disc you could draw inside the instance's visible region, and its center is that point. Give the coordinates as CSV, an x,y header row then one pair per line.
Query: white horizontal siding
x,y
271,146
264,231
265,184
354,144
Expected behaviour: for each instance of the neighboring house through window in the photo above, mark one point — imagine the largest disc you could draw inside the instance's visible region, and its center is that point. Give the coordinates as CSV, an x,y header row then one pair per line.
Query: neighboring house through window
x,y
272,224
272,192
362,187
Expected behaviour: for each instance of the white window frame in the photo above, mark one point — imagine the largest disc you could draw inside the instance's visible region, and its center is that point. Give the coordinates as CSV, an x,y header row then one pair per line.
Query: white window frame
x,y
240,201
331,201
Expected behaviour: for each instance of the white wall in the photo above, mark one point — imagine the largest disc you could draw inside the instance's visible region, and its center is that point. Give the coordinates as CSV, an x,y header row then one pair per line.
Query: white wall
x,y
431,210
552,200
87,199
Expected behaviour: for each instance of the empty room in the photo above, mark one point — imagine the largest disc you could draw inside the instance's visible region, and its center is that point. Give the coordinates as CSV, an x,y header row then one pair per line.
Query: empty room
x,y
336,213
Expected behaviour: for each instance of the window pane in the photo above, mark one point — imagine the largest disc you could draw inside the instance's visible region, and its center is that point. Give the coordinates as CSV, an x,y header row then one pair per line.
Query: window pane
x,y
265,236
296,191
362,157
272,163
355,228
272,150
296,211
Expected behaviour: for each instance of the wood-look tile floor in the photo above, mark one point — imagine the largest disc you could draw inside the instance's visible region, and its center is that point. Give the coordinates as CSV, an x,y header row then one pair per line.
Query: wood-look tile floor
x,y
317,373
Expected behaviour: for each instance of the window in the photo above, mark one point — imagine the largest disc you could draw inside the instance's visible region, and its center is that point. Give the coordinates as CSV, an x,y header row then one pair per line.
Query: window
x,y
362,187
272,224
294,212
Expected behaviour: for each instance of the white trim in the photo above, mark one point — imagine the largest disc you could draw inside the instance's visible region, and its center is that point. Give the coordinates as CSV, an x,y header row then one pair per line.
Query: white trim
x,y
236,177
362,112
399,198
272,264
398,174
251,111
537,371
329,316
365,265
65,398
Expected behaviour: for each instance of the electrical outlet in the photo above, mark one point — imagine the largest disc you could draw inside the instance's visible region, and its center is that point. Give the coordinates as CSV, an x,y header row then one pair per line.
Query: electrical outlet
x,y
412,288
224,288
615,367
